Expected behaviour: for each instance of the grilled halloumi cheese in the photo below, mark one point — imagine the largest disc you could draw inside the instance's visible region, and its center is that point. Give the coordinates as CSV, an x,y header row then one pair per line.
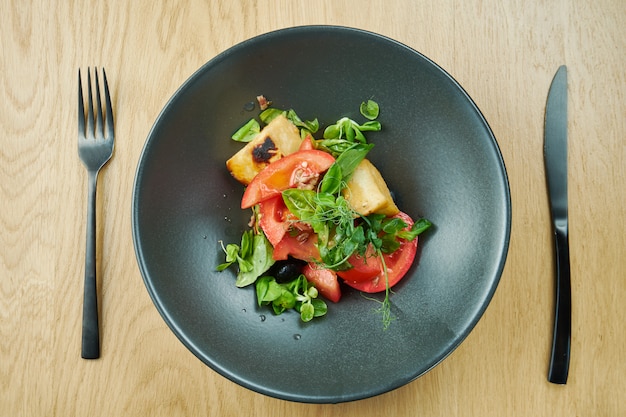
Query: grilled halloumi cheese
x,y
368,193
279,138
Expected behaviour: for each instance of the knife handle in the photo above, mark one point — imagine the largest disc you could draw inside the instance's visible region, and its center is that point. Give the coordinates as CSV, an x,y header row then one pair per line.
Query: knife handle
x,y
559,361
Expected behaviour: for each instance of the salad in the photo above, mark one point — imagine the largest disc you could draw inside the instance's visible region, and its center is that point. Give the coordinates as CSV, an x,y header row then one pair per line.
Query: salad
x,y
321,213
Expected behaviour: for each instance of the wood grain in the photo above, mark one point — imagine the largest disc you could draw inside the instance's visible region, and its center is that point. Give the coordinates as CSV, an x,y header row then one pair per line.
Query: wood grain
x,y
503,53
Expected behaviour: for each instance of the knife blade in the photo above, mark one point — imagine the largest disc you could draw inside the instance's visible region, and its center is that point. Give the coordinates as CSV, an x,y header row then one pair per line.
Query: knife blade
x,y
555,159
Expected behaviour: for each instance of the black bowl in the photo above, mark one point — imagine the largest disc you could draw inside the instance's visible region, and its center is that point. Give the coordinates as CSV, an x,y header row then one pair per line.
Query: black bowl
x,y
436,152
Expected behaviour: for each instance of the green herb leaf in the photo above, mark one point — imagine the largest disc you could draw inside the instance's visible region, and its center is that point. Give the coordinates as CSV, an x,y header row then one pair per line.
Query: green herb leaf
x,y
389,244
245,266
339,136
286,300
247,132
373,126
301,203
418,228
335,147
306,126
351,158
350,132
333,180
341,170
262,290
223,266
310,125
270,114
332,132
232,253
278,309
307,312
247,241
312,292
359,136
260,261
393,225
297,294
369,109
319,306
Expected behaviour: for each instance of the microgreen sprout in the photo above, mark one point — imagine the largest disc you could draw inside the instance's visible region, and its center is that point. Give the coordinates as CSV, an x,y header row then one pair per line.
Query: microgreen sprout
x,y
298,294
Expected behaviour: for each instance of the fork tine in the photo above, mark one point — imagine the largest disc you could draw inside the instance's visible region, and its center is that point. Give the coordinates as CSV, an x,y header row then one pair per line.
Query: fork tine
x,y
99,116
90,114
81,108
109,107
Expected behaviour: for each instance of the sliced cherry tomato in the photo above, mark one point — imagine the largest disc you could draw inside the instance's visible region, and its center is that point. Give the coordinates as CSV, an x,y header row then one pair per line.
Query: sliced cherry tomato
x,y
307,143
398,263
274,218
324,280
293,170
301,246
285,232
364,268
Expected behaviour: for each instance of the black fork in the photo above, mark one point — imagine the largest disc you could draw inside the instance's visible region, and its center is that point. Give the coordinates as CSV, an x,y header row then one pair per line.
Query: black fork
x,y
95,147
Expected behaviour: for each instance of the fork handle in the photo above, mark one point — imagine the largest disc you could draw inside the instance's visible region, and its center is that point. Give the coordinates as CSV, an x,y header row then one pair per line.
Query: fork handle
x,y
91,332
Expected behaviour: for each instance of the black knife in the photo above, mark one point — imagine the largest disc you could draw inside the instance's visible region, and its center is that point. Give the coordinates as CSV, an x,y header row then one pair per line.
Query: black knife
x,y
555,155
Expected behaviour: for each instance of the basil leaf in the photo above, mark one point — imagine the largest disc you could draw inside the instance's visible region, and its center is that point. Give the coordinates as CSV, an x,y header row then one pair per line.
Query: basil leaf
x,y
247,132
332,181
351,158
301,203
341,170
369,109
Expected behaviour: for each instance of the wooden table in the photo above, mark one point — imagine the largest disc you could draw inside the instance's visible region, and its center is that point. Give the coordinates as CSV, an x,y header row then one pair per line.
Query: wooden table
x,y
504,53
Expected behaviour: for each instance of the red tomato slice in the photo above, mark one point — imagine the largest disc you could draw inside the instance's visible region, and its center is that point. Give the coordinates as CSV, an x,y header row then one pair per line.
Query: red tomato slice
x,y
274,218
287,235
307,143
364,268
287,172
324,280
302,246
398,264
